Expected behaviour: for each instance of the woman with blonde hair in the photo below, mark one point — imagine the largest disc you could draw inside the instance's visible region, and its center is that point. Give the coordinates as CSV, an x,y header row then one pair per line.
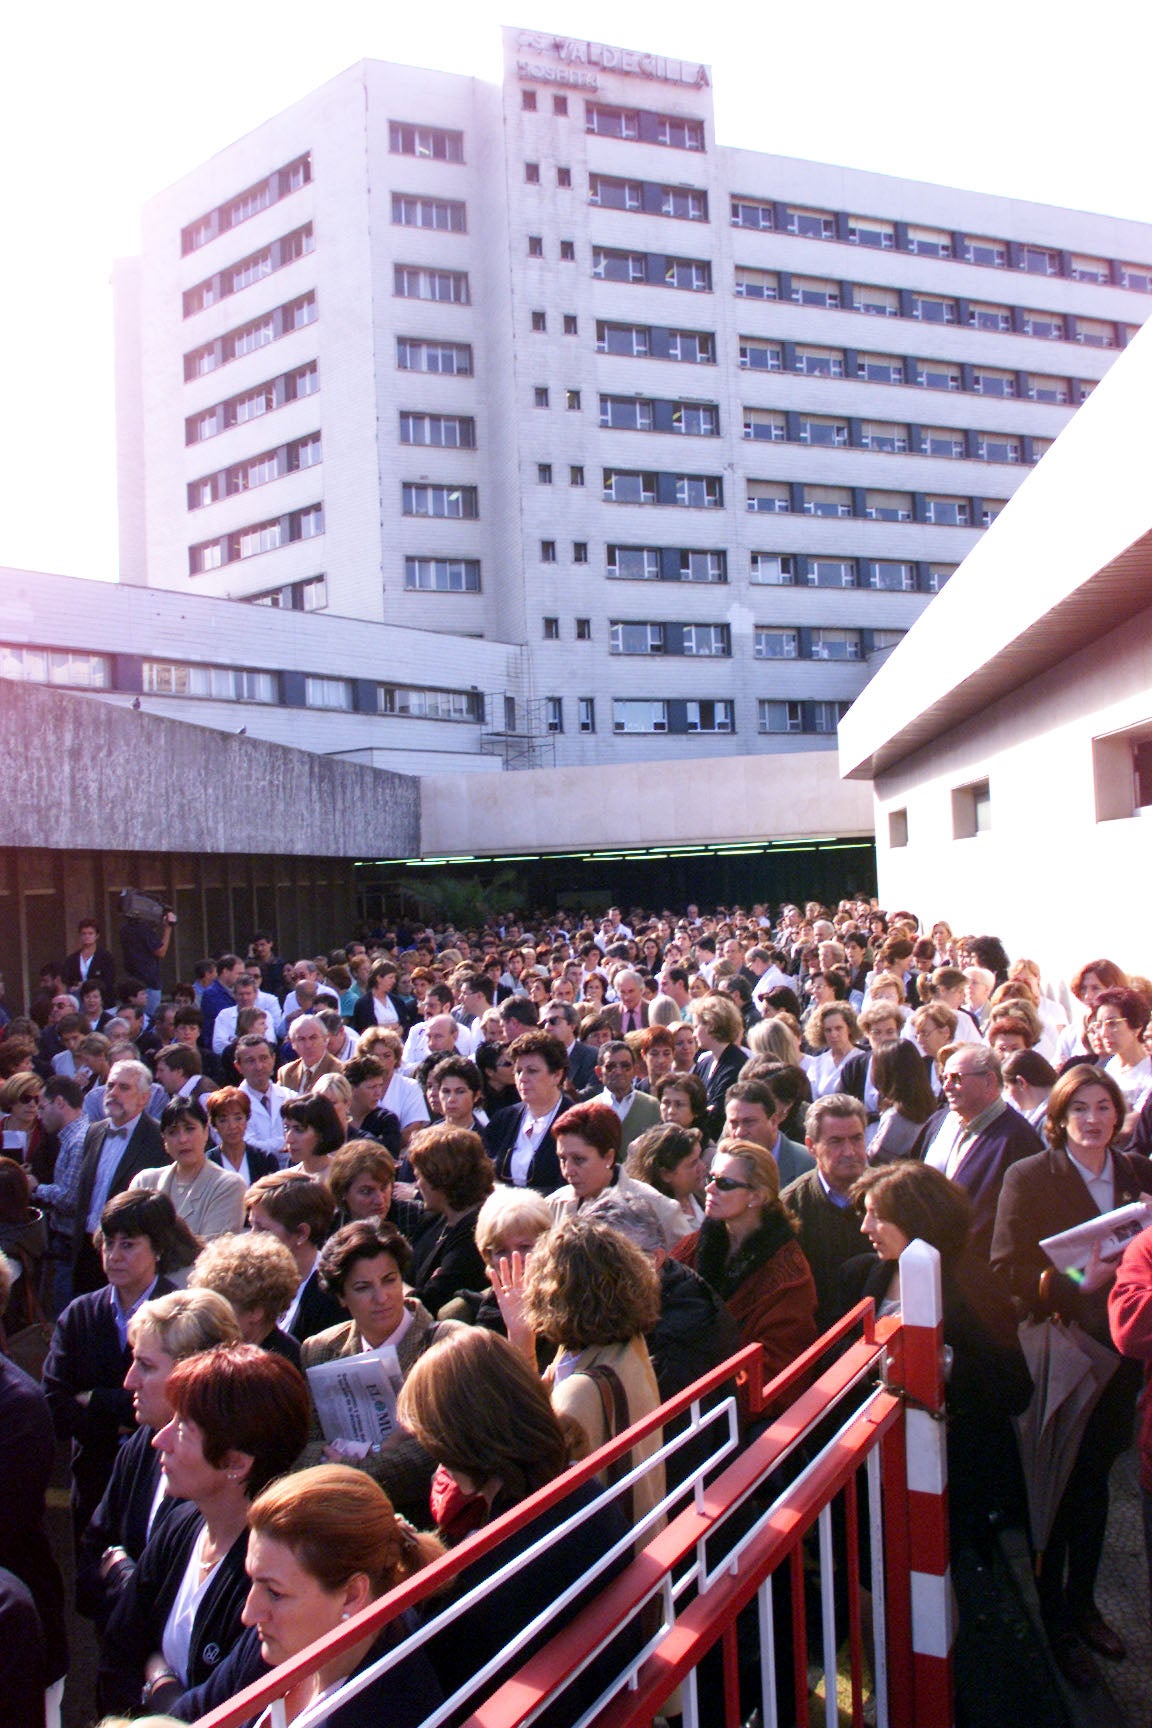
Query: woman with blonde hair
x,y
775,1037
719,1028
257,1276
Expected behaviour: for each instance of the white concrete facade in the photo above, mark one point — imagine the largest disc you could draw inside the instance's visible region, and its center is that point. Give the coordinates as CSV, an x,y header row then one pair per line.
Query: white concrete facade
x,y
785,407
1006,738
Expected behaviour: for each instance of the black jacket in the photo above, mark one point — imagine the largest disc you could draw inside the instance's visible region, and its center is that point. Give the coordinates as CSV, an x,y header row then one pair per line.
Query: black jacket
x,y
144,1151
259,1163
446,1260
120,1521
406,1009
27,1456
317,1310
719,1073
500,1137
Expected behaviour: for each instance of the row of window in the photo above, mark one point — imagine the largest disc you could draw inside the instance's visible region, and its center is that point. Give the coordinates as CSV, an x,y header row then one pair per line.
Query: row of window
x,y
769,216
641,125
769,642
611,192
279,184
253,403
633,715
235,684
690,564
434,143
834,431
277,255
763,354
235,344
706,492
257,538
256,471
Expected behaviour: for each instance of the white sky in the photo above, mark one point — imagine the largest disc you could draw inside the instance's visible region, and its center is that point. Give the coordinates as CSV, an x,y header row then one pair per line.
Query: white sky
x,y
101,107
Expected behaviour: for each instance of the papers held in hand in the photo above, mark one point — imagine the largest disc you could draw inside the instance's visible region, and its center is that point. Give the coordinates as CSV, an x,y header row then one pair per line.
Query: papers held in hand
x,y
355,1396
1071,1250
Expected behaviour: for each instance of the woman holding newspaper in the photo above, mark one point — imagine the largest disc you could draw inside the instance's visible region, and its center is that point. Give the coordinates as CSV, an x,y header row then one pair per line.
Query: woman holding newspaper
x,y
1077,1179
355,1370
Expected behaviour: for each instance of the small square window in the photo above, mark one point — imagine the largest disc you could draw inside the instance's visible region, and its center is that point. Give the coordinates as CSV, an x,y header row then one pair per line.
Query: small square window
x,y
535,246
543,473
559,104
971,810
579,554
586,713
584,628
532,173
563,176
568,251
897,828
576,476
540,395
572,400
547,551
551,629
539,320
571,326
528,101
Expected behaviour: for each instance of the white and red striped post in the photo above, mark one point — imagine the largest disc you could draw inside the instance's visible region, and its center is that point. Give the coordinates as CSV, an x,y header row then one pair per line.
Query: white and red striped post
x,y
933,1617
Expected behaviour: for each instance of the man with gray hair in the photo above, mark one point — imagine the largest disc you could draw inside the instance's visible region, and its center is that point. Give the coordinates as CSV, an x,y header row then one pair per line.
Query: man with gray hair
x,y
115,1150
827,1223
977,1137
629,988
310,1042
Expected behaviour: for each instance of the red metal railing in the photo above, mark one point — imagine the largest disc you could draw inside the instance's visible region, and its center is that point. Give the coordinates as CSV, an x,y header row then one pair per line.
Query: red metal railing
x,y
713,1548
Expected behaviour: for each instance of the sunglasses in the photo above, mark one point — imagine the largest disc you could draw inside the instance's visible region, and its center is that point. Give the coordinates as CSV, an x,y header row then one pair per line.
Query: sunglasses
x,y
725,1184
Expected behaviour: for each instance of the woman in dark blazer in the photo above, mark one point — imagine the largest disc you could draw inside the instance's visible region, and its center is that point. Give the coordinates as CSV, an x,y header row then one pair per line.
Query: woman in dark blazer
x,y
719,1028
240,1417
454,1175
398,1011
523,1152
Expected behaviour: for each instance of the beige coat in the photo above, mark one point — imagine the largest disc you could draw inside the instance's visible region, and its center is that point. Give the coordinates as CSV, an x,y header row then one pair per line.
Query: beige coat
x,y
579,1397
212,1206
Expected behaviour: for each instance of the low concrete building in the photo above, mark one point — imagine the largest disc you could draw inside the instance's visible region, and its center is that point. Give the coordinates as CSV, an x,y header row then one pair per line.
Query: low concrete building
x,y
1008,738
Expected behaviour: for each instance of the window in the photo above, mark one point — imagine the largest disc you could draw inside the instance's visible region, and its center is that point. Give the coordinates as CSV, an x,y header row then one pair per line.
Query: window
x,y
444,431
989,252
703,566
780,716
430,704
971,810
279,184
1038,261
823,429
453,501
544,473
560,105
818,362
939,375
948,512
256,471
1137,277
554,713
700,491
78,670
941,441
586,713
540,396
234,278
882,639
938,575
871,231
684,202
1049,326
1086,269
443,575
414,282
772,496
772,569
1095,333
831,573
1122,772
260,537
827,501
999,447
248,338
635,638
222,683
933,308
1041,447
310,595
826,716
547,551
888,506
622,486
696,419
563,175
613,194
810,224
751,213
772,643
815,291
535,246
409,211
929,242
757,284
707,640
692,274
1042,389
584,625
626,413
990,509
639,716
327,693
633,563
884,435
889,576
539,321
571,326
878,302
677,133
608,122
983,315
576,476
623,339
835,644
696,346
611,265
452,359
551,629
572,401
568,251
430,141
710,717
532,176
881,368
991,381
528,101
757,354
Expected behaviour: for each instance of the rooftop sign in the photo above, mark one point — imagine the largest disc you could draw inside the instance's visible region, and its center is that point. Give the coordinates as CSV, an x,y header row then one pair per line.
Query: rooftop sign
x,y
570,60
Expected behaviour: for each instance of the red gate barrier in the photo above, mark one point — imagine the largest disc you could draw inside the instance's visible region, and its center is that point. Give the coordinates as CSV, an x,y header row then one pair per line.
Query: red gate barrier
x,y
751,1526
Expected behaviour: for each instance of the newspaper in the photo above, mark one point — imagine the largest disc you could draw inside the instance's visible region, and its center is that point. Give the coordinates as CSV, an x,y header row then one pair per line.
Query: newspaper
x,y
355,1397
1071,1250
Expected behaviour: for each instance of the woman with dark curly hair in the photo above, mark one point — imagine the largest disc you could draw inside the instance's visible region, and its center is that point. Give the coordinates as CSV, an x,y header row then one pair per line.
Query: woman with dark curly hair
x,y
455,1176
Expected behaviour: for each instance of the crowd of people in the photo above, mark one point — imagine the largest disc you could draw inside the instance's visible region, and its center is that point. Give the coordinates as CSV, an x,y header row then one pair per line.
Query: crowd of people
x,y
549,1173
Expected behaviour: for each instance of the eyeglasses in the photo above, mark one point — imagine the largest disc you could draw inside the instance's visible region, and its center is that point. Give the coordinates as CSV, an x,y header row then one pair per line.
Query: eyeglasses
x,y
725,1184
